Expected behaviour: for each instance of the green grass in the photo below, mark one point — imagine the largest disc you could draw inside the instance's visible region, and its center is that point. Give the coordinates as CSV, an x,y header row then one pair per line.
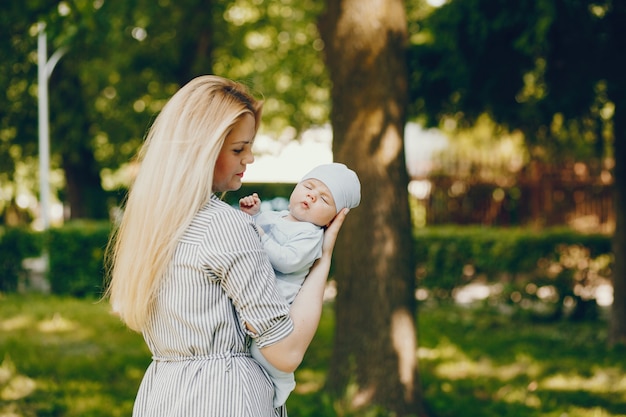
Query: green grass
x,y
69,357
485,362
66,357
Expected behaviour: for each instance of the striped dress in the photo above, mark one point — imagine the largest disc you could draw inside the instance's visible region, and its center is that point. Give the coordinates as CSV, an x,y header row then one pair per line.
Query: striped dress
x,y
219,279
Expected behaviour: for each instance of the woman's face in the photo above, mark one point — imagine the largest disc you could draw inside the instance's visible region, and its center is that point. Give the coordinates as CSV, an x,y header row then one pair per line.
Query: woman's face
x,y
236,153
311,201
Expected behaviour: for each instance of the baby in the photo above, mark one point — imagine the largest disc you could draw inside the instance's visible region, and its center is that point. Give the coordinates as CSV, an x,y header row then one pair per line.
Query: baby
x,y
293,238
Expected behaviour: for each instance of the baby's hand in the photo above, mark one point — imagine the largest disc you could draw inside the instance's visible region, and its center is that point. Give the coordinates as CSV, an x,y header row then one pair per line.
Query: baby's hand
x,y
250,204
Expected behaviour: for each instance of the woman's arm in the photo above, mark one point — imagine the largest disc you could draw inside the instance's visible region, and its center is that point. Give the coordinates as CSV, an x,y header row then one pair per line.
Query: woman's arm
x,y
306,309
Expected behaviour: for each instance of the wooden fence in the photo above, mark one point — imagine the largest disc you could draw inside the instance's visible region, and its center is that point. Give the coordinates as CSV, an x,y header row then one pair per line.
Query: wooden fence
x,y
539,195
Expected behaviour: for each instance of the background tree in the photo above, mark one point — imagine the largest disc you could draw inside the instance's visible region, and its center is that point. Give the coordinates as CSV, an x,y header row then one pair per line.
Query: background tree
x,y
550,69
84,132
375,333
615,70
123,60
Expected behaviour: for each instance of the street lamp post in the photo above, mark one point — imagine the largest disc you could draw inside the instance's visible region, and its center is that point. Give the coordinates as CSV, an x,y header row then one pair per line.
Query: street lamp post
x,y
44,70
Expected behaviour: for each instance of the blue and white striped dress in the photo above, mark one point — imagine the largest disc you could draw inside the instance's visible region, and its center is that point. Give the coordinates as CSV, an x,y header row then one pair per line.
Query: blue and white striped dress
x,y
219,279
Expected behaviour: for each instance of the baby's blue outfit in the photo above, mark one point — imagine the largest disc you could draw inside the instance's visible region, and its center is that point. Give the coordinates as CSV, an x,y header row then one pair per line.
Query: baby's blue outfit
x,y
292,248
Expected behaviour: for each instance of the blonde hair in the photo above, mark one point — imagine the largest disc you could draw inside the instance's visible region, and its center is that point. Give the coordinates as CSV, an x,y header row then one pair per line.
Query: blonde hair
x,y
174,181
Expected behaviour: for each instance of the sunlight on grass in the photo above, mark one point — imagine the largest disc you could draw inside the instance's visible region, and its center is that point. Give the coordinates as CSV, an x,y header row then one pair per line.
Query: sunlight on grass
x,y
68,357
465,368
85,396
603,380
57,324
71,358
13,386
16,323
355,400
589,412
517,395
484,365
455,364
308,381
444,350
9,410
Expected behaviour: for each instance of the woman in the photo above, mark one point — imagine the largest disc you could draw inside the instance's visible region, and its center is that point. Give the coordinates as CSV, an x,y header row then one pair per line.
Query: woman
x,y
189,273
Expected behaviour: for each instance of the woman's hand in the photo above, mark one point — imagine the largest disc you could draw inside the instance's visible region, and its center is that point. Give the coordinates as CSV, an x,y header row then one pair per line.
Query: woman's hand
x,y
331,232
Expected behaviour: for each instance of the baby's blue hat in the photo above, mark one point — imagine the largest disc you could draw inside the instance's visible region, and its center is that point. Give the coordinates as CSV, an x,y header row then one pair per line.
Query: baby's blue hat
x,y
342,182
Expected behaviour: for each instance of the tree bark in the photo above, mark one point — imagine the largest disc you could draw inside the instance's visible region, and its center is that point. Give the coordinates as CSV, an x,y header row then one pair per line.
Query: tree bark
x,y
85,197
197,40
617,327
375,344
616,67
71,138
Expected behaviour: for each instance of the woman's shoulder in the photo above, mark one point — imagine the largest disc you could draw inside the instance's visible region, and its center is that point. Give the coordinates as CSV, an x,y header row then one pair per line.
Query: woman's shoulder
x,y
218,227
218,220
216,210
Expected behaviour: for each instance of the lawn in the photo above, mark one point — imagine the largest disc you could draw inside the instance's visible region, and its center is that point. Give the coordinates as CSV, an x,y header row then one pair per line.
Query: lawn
x,y
69,357
66,357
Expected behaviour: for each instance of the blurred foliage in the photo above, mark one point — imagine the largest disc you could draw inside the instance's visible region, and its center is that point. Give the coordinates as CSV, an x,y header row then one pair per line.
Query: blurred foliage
x,y
549,69
16,244
123,60
514,63
74,254
78,240
264,190
448,258
515,263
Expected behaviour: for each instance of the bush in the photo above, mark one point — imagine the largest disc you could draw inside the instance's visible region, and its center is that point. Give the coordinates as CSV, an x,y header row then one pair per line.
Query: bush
x,y
564,261
76,258
16,244
266,191
446,258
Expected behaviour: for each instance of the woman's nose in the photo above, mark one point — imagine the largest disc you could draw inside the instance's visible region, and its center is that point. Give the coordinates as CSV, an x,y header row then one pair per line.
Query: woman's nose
x,y
249,158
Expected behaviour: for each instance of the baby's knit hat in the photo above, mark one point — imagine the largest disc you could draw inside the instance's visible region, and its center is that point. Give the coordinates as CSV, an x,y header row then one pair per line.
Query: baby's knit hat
x,y
342,182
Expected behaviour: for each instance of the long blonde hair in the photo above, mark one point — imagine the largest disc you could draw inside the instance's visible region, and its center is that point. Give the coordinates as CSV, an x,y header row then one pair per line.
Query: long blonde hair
x,y
174,181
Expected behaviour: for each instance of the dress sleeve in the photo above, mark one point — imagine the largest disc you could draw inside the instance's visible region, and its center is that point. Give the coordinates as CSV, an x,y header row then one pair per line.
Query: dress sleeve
x,y
233,257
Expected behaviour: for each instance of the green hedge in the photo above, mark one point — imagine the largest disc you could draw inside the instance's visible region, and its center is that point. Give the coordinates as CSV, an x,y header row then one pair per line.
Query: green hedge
x,y
76,253
449,257
446,257
265,191
16,244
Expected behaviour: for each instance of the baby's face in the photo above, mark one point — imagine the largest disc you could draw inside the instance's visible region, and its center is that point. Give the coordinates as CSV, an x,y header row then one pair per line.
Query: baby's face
x,y
311,201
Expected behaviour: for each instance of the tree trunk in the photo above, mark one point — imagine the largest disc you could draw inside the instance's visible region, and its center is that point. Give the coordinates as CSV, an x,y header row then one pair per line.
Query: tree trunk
x,y
375,343
70,136
617,326
197,39
616,68
84,193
